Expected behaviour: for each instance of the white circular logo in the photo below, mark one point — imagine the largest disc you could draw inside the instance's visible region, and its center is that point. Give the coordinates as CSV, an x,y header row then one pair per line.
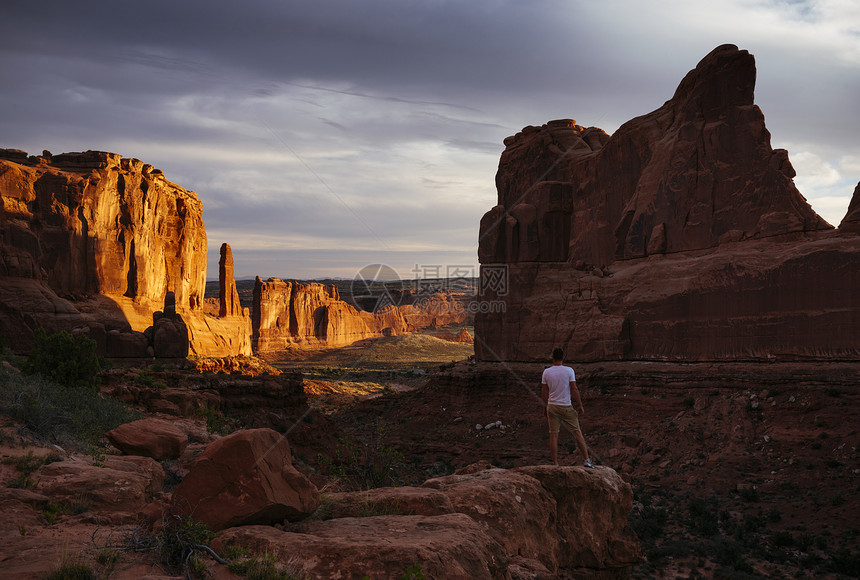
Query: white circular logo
x,y
376,286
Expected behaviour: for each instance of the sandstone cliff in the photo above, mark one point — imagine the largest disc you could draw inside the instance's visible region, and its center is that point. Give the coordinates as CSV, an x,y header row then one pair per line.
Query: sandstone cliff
x,y
293,313
95,241
681,236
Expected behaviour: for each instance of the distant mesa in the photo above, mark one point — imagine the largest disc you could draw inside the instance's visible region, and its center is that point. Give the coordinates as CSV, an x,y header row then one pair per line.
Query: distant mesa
x,y
680,237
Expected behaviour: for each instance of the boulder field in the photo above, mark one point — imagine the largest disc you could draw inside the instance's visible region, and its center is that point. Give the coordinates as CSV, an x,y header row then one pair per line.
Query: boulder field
x,y
480,522
679,237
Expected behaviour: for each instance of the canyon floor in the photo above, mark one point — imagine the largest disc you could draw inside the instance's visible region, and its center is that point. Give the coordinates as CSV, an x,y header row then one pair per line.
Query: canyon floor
x,y
739,470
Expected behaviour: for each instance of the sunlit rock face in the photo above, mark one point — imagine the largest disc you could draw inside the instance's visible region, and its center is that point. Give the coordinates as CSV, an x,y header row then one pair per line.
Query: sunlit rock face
x,y
96,241
287,313
681,236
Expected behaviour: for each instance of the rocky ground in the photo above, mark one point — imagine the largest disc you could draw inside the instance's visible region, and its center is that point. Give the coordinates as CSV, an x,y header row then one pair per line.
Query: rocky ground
x,y
738,470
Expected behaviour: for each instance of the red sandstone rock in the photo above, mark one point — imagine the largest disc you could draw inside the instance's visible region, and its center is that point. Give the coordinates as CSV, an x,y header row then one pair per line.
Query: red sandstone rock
x,y
680,237
287,313
404,501
246,478
593,506
227,293
680,178
512,508
451,546
90,239
149,437
123,484
434,311
851,221
482,522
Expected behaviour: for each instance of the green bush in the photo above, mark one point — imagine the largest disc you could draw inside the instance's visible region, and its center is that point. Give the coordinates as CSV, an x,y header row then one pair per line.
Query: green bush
x,y
68,360
364,465
703,519
72,571
74,416
218,422
649,523
175,543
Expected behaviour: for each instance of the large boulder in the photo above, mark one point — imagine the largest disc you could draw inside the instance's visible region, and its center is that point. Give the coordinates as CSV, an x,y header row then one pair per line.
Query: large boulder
x,y
149,437
246,478
451,546
593,506
121,484
512,508
482,522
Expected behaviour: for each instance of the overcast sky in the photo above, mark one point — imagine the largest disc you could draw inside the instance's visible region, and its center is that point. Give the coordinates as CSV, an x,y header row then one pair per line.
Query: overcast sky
x,y
325,135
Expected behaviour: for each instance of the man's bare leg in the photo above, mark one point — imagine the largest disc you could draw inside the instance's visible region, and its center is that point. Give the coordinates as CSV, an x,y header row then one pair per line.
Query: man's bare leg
x,y
580,442
553,447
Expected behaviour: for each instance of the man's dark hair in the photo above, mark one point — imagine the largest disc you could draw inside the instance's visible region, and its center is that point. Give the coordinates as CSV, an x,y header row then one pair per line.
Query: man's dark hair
x,y
557,354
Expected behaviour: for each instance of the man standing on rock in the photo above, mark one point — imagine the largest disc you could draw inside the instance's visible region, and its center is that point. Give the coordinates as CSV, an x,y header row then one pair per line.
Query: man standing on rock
x,y
557,384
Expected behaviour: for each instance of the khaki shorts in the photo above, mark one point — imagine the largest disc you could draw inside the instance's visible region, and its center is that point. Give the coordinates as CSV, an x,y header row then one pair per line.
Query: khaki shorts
x,y
558,414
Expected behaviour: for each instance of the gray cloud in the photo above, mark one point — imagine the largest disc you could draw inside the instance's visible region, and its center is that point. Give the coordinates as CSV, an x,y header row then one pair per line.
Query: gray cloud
x,y
312,130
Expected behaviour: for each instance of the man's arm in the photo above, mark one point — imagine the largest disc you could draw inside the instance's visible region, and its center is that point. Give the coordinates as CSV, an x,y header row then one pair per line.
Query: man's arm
x,y
575,393
544,393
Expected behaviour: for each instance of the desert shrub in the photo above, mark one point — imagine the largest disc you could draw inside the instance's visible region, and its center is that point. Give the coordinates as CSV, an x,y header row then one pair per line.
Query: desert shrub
x,y
703,518
262,567
218,422
324,511
729,553
51,512
782,539
413,572
649,523
844,561
26,465
365,465
75,416
179,543
69,360
72,571
107,557
749,494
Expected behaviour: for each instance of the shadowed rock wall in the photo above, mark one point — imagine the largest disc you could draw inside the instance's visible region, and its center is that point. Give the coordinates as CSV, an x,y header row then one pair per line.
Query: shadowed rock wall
x,y
681,236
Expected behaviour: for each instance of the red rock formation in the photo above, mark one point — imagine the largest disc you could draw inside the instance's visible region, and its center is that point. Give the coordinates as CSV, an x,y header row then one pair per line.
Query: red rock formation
x,y
227,293
851,221
122,484
697,171
542,522
681,237
289,313
246,478
149,437
95,241
437,310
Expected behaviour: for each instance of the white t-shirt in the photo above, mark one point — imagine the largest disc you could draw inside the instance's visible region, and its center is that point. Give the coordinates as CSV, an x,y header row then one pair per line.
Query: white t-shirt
x,y
558,378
